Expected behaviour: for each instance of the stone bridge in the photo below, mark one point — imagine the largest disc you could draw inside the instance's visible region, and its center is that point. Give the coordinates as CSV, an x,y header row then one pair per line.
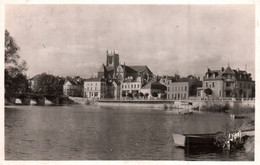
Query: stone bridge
x,y
38,98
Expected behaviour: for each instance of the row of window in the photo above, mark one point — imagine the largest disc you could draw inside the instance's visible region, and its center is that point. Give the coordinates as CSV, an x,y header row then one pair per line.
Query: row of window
x,y
177,88
228,84
130,86
71,87
94,88
245,85
90,84
210,85
177,96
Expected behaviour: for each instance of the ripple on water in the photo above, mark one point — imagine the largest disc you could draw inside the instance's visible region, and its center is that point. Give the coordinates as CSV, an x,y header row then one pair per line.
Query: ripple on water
x,y
91,133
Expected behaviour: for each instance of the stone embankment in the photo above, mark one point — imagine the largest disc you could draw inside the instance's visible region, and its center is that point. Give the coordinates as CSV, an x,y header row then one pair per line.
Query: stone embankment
x,y
78,100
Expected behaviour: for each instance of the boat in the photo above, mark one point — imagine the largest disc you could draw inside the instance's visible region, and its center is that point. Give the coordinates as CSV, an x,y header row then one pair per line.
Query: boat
x,y
191,140
207,140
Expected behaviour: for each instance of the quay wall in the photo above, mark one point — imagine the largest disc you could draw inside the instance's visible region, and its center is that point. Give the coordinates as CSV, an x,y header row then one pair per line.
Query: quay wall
x,y
177,103
79,100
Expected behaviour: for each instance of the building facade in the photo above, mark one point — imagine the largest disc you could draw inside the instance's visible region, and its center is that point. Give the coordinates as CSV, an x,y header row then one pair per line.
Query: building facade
x,y
178,90
227,82
95,88
133,87
73,88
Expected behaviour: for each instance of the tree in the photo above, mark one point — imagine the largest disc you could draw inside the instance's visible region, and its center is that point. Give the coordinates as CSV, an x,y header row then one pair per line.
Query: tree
x,y
123,94
48,84
15,68
130,95
208,91
155,94
135,95
141,94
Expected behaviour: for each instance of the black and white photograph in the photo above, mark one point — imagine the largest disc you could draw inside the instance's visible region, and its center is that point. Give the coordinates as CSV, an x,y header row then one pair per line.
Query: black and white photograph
x,y
129,82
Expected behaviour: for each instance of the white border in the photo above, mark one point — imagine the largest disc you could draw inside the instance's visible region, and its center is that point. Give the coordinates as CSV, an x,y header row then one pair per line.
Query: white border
x,y
257,77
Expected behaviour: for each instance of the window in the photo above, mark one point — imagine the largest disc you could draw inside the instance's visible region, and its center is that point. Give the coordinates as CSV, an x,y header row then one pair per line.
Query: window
x,y
137,85
131,85
178,88
213,84
228,84
87,88
168,88
122,86
185,88
206,84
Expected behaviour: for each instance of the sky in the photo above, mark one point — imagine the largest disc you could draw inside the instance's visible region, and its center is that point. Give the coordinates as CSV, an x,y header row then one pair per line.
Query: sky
x,y
71,40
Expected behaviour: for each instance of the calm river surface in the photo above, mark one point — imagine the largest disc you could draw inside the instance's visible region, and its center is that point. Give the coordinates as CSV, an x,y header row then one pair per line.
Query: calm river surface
x,y
81,132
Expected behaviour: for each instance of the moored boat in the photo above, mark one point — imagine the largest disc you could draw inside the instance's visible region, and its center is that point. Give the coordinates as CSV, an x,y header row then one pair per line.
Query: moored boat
x,y
191,140
211,140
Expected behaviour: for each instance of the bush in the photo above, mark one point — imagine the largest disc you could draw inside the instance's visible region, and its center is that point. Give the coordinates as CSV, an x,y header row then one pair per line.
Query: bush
x,y
130,95
241,110
141,94
123,94
155,94
208,91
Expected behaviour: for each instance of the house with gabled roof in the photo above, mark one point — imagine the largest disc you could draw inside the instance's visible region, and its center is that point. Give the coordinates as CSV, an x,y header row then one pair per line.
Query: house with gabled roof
x,y
153,86
228,82
73,87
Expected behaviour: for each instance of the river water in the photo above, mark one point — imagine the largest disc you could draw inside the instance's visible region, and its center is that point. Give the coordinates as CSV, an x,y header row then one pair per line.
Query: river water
x,y
81,132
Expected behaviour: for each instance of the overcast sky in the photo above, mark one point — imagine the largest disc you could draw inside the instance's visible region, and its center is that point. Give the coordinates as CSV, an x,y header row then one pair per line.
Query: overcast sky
x,y
72,39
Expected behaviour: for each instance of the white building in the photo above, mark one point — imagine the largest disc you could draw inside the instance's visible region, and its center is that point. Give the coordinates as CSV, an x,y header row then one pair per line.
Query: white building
x,y
95,88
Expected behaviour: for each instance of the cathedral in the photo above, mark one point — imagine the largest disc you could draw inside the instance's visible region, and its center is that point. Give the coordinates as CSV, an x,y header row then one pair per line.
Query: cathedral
x,y
113,70
122,78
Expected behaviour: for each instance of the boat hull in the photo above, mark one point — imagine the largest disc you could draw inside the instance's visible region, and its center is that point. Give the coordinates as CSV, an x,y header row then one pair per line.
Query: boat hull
x,y
193,140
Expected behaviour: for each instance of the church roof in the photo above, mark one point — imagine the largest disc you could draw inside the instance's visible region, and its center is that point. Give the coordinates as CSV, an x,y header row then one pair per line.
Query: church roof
x,y
141,68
